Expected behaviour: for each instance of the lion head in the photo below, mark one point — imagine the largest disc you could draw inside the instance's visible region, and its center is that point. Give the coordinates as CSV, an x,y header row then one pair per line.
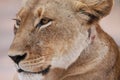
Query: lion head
x,y
52,33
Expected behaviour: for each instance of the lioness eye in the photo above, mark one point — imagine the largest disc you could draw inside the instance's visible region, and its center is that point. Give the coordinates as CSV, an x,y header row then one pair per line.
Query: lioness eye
x,y
17,23
43,21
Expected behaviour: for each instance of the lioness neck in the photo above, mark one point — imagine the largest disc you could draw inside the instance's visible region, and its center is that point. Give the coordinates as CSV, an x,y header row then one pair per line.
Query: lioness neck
x,y
98,61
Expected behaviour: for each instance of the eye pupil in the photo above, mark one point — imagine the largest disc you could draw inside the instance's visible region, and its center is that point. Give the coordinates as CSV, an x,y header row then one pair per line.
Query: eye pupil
x,y
18,22
43,21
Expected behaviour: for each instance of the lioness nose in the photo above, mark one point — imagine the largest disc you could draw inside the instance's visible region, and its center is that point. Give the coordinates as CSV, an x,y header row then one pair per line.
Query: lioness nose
x,y
18,58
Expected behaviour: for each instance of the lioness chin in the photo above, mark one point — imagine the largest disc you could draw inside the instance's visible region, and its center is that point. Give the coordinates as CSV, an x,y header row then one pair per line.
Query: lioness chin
x,y
62,40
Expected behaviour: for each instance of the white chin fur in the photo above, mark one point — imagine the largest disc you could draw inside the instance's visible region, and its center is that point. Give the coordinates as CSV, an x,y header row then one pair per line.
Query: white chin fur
x,y
30,76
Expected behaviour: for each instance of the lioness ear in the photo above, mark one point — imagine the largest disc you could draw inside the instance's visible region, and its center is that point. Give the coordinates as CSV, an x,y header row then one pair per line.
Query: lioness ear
x,y
95,9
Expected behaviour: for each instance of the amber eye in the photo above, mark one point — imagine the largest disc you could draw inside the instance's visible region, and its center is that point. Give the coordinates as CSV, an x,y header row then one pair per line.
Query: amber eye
x,y
43,21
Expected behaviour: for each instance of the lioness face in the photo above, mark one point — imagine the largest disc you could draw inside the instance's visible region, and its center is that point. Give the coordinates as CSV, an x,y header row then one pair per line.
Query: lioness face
x,y
47,34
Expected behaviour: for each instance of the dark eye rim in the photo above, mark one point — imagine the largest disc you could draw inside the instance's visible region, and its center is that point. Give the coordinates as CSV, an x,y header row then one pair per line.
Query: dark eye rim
x,y
17,22
43,21
15,25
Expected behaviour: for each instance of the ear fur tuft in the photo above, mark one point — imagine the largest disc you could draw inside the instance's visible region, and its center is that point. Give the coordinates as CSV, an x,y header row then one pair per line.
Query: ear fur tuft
x,y
94,9
77,5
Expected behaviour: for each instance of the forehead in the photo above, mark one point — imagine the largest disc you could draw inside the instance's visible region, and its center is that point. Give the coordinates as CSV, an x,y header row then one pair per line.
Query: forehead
x,y
32,3
48,6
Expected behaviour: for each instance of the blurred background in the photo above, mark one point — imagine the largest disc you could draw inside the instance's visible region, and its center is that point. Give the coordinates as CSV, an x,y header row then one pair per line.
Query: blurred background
x,y
8,10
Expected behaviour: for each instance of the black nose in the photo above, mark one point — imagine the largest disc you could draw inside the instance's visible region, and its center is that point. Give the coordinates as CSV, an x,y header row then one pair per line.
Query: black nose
x,y
18,58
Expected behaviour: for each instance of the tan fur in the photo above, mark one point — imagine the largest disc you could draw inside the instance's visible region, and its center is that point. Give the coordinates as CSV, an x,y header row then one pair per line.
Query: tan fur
x,y
72,43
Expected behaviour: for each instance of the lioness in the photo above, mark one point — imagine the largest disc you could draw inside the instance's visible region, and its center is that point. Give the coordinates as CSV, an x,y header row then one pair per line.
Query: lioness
x,y
62,40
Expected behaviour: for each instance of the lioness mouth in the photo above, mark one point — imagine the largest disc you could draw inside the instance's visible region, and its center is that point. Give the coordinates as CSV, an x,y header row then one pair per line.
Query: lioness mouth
x,y
43,72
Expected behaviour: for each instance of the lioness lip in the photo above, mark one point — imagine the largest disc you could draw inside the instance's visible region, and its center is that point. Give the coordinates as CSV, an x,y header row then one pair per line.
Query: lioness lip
x,y
43,72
